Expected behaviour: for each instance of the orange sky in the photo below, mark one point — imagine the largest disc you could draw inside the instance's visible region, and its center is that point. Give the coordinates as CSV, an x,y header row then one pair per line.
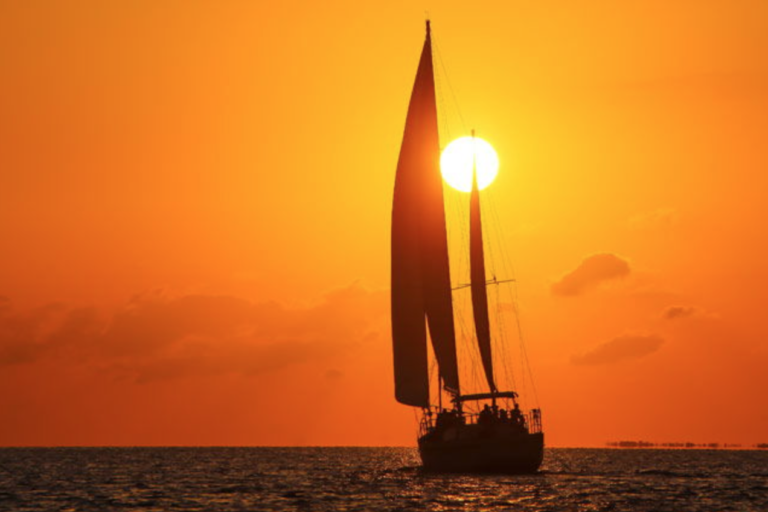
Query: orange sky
x,y
195,207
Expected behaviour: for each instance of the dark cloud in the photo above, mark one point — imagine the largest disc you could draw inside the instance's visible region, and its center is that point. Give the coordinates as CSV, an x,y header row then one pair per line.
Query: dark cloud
x,y
628,346
25,335
592,271
675,312
157,337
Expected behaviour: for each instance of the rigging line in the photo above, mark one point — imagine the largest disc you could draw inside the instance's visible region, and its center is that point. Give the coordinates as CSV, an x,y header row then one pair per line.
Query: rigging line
x,y
471,345
526,369
506,262
500,250
503,343
500,340
522,359
489,207
524,351
498,239
444,130
461,229
450,86
453,232
503,318
466,344
461,342
416,417
444,127
487,283
470,350
526,366
501,348
510,367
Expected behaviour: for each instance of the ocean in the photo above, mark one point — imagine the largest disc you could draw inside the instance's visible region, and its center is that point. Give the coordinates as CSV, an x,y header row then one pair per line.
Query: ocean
x,y
374,479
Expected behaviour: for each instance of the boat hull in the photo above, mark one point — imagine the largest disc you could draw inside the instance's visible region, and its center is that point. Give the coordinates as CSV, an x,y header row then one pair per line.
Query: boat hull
x,y
471,449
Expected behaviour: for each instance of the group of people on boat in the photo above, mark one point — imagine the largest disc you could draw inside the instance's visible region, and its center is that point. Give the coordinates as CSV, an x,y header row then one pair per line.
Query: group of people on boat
x,y
493,415
488,416
446,418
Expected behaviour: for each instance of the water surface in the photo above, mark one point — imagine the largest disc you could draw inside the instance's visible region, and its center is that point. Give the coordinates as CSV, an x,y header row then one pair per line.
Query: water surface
x,y
374,479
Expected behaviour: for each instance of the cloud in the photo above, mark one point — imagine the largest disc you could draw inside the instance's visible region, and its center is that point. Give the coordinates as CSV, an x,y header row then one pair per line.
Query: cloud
x,y
5,304
655,218
628,346
676,312
155,336
334,374
591,272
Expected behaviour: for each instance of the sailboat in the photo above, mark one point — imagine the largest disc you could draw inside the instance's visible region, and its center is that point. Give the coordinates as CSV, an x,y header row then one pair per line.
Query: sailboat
x,y
477,432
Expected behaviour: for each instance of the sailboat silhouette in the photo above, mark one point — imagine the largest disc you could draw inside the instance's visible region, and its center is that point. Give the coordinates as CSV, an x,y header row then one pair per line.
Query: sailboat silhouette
x,y
504,440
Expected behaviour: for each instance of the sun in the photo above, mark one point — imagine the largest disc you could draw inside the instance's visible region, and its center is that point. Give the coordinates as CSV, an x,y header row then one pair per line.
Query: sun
x,y
461,155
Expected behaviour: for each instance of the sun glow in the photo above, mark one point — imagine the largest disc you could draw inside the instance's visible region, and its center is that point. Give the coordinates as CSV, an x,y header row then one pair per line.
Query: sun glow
x,y
461,155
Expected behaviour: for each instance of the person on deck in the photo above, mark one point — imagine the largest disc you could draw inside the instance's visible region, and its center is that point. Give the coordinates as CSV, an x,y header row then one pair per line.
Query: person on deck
x,y
486,416
517,417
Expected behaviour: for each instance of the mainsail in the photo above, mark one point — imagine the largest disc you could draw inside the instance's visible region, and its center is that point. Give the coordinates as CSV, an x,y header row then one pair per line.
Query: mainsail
x,y
421,288
479,291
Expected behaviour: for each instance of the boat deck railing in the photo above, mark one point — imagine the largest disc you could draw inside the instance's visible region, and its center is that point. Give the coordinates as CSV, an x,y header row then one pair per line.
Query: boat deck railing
x,y
533,418
530,421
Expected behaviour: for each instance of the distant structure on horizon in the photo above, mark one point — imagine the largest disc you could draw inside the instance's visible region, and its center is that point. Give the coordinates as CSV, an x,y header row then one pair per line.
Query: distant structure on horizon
x,y
689,445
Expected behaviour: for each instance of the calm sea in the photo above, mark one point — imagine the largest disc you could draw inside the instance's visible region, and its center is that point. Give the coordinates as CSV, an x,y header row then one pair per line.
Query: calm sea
x,y
374,479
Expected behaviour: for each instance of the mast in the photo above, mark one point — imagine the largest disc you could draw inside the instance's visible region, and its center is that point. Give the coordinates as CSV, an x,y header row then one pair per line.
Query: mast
x,y
421,289
478,282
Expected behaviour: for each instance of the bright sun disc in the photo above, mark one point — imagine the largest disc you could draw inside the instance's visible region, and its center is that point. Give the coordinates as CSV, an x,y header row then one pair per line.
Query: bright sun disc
x,y
458,158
